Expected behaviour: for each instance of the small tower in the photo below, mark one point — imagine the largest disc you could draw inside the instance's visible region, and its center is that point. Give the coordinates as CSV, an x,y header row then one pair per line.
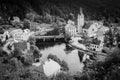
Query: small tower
x,y
80,21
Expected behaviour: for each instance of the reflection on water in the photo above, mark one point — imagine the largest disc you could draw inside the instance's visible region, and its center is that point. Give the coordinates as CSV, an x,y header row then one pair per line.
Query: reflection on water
x,y
63,52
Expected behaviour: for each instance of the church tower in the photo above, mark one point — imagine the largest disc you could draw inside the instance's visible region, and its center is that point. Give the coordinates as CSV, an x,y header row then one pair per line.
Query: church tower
x,y
80,21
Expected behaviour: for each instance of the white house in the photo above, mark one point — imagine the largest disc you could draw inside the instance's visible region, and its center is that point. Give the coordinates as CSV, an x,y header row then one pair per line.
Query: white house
x,y
100,36
34,26
70,28
96,47
17,35
23,36
51,68
86,26
91,27
16,19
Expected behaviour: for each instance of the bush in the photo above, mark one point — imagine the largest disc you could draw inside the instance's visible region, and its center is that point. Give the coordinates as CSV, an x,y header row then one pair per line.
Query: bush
x,y
27,60
106,70
63,76
14,69
36,53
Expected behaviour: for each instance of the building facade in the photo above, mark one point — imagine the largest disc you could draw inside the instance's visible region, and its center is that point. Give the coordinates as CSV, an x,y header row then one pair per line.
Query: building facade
x,y
34,26
70,28
91,27
96,47
80,21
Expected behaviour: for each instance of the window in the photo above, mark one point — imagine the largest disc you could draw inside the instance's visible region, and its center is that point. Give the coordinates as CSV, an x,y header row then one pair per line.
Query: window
x,y
97,47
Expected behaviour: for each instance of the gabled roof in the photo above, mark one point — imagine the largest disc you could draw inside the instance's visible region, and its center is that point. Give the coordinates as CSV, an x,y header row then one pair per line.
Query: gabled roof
x,y
87,24
100,33
97,42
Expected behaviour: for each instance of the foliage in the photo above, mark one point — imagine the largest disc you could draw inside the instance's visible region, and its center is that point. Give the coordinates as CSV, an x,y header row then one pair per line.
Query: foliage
x,y
36,53
26,24
112,36
53,32
96,41
14,69
105,70
63,76
30,16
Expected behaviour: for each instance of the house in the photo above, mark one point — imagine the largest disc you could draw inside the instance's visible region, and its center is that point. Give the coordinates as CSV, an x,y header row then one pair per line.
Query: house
x,y
11,33
100,35
51,67
86,26
16,19
70,28
34,26
17,35
91,27
21,36
96,45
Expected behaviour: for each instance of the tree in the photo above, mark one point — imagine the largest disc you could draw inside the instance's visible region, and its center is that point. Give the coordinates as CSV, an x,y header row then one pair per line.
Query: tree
x,y
63,76
109,38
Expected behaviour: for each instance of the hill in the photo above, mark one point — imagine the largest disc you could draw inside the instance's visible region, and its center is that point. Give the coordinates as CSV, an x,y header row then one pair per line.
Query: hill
x,y
93,9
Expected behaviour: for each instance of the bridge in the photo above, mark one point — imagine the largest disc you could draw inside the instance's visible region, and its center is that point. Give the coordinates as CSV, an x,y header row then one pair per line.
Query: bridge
x,y
48,37
54,37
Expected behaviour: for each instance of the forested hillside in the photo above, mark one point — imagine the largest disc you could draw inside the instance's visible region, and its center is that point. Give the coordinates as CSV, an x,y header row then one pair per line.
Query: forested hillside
x,y
93,9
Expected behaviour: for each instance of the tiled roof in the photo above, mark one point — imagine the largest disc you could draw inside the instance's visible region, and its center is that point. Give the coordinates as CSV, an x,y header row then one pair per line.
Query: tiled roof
x,y
87,24
100,33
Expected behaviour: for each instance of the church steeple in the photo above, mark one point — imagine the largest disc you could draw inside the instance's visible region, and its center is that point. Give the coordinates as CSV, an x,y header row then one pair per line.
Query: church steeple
x,y
81,11
80,21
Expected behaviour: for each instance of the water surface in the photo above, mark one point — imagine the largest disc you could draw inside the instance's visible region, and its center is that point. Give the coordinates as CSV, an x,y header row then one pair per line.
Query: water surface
x,y
62,51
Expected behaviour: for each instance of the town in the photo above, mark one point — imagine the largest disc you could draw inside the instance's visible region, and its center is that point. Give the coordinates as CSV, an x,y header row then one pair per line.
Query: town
x,y
90,38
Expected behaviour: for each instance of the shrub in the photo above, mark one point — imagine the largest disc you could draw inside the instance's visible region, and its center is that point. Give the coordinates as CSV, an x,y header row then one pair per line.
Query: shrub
x,y
63,76
105,70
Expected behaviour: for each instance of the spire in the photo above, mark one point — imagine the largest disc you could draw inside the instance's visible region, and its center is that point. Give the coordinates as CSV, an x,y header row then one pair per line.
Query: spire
x,y
80,21
81,10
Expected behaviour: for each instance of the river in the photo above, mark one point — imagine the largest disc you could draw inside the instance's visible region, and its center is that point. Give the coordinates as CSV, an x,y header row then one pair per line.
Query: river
x,y
70,56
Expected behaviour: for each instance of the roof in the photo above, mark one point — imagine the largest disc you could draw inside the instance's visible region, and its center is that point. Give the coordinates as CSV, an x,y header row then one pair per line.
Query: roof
x,y
87,24
104,28
100,33
51,67
97,43
45,25
13,31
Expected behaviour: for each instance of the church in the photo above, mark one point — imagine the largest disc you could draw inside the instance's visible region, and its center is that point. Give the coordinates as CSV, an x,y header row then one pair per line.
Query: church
x,y
73,29
80,21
